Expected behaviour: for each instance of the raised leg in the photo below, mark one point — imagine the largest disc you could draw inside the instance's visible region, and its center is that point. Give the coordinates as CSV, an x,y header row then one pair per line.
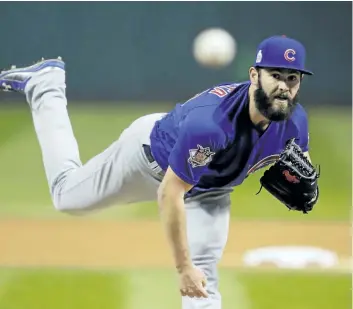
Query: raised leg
x,y
118,175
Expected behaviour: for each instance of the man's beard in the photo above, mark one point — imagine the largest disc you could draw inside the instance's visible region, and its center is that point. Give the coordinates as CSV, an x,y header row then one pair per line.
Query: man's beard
x,y
264,104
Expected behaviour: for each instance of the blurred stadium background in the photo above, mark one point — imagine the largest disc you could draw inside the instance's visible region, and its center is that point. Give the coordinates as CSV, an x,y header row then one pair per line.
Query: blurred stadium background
x,y
127,59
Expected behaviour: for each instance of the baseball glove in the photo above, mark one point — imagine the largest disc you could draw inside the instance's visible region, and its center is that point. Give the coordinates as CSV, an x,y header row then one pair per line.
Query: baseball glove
x,y
293,180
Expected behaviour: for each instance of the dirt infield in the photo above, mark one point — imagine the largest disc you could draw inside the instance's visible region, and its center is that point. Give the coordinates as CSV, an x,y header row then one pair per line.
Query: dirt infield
x,y
85,243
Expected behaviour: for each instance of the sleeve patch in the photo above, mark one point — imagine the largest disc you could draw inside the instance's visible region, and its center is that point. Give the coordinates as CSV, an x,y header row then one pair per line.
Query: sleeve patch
x,y
200,156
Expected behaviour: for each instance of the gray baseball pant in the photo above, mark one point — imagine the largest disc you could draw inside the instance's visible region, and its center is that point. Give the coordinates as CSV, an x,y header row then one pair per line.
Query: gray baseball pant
x,y
119,175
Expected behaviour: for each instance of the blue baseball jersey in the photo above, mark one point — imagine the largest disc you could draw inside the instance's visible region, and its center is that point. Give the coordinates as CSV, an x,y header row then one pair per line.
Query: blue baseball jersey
x,y
210,142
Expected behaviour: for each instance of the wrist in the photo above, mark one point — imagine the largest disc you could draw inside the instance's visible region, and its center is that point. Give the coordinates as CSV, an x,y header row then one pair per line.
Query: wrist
x,y
184,267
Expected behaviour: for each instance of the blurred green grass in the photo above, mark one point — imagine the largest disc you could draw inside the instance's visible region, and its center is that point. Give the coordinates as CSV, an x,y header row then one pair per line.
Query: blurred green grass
x,y
157,289
24,190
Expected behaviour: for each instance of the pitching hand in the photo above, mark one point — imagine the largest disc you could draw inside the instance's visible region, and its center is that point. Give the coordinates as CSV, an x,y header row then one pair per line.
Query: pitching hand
x,y
192,283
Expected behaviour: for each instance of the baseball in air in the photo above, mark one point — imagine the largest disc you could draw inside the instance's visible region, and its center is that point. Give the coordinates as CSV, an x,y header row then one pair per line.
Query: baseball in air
x,y
214,48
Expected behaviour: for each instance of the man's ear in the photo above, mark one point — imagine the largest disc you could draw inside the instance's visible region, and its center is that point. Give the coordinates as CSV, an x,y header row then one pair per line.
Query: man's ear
x,y
254,75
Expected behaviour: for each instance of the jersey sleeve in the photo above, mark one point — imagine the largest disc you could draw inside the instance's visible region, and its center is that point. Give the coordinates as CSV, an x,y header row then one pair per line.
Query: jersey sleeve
x,y
197,143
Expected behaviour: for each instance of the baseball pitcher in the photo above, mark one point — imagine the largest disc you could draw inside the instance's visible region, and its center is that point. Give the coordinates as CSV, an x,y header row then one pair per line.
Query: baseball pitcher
x,y
188,159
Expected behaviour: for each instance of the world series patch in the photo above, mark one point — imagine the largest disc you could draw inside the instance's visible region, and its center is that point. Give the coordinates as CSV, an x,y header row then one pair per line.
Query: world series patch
x,y
200,156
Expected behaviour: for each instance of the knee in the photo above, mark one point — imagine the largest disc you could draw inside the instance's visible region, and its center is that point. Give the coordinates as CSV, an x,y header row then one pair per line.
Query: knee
x,y
207,263
63,198
66,205
75,205
206,251
67,208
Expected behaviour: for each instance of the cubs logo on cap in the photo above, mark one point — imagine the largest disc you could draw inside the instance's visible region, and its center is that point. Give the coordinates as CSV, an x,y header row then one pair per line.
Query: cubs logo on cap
x,y
289,54
283,53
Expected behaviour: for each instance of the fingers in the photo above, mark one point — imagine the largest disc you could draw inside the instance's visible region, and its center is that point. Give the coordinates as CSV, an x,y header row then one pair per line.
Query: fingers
x,y
199,292
183,292
202,293
193,284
